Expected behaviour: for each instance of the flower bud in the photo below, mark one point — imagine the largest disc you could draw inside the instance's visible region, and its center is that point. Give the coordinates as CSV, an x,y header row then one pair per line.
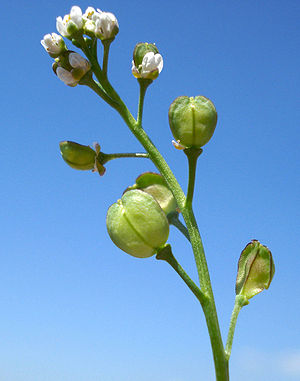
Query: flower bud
x,y
54,44
137,224
255,270
77,155
106,25
71,67
147,62
192,120
155,185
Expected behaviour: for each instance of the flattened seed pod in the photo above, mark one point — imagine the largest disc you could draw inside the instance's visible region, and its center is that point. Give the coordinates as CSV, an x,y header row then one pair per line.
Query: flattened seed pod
x,y
192,120
137,224
77,155
255,270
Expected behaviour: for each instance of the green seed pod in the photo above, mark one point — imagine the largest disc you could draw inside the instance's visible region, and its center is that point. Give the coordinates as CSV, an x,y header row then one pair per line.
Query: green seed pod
x,y
255,270
77,155
137,224
155,185
192,120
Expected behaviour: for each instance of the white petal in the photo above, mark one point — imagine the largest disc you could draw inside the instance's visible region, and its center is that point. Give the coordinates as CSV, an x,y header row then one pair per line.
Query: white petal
x,y
65,76
76,16
148,63
151,62
77,61
75,12
159,62
60,26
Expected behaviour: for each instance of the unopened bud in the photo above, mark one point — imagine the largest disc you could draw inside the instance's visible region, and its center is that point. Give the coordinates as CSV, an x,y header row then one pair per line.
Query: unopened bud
x,y
77,155
147,62
137,224
71,67
255,270
192,120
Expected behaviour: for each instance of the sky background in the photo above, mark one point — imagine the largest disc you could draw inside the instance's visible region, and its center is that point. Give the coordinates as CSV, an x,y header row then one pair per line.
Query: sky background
x,y
76,308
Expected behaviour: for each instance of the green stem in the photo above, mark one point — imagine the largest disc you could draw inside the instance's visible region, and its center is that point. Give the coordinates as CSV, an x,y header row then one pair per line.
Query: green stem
x,y
100,91
174,220
240,302
100,75
106,46
144,83
210,312
192,155
105,157
221,365
167,255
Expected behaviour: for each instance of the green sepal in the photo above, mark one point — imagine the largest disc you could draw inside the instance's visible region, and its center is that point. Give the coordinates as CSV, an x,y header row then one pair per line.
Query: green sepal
x,y
140,50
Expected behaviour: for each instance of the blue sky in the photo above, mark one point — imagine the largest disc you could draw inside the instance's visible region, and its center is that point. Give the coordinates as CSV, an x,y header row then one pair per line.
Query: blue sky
x,y
73,306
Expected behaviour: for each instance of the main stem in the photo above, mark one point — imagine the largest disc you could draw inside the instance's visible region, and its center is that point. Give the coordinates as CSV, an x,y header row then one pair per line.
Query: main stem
x,y
209,308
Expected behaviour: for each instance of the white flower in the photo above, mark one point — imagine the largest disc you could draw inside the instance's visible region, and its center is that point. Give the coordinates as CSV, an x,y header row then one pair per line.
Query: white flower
x,y
88,14
106,25
71,23
80,66
88,19
150,68
54,44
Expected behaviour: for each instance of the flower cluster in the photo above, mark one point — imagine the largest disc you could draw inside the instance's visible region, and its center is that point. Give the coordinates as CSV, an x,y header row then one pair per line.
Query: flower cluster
x,y
83,28
103,25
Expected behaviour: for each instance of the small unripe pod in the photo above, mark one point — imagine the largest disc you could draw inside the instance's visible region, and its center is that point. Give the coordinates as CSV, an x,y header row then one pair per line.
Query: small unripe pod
x,y
255,270
155,185
137,224
192,120
77,155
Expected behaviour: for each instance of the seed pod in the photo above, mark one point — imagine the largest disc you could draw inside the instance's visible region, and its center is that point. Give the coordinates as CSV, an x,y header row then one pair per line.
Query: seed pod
x,y
77,155
192,120
137,224
255,270
155,185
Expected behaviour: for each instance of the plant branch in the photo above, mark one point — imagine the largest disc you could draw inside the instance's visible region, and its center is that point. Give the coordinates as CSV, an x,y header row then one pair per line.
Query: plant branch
x,y
105,157
240,302
192,155
106,46
167,255
173,219
221,364
144,83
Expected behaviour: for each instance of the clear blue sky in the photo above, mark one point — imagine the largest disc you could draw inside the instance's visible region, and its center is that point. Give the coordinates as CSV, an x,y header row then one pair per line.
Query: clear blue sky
x,y
76,308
